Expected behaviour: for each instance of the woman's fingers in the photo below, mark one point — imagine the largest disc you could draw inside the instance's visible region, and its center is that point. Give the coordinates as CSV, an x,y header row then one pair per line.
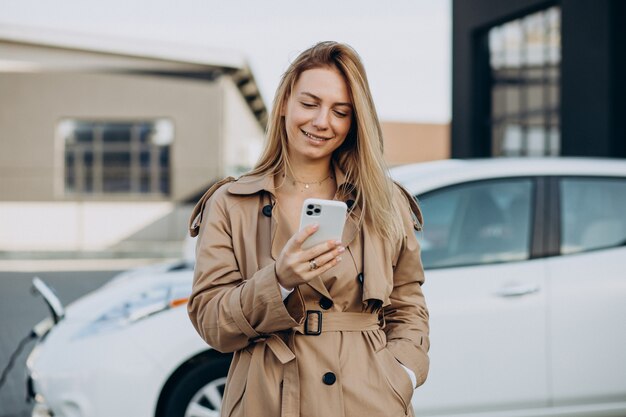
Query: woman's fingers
x,y
325,267
302,235
329,256
299,238
294,266
320,249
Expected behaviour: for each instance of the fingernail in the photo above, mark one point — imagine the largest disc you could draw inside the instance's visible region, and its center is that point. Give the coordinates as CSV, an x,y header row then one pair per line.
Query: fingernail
x,y
338,258
315,226
341,249
337,242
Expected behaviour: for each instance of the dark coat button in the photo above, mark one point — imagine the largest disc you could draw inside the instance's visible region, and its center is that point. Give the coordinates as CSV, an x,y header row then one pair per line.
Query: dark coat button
x,y
360,277
350,203
329,378
267,210
326,303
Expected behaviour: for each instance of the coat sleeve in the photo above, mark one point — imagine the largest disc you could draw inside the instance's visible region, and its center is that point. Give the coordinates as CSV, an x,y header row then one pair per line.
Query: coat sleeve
x,y
226,308
406,316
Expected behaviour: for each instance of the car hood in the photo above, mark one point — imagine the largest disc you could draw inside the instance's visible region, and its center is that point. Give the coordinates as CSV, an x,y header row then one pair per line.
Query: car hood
x,y
125,286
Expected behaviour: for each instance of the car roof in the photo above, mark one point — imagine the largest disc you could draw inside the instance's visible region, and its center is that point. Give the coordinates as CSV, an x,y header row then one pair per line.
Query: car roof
x,y
420,177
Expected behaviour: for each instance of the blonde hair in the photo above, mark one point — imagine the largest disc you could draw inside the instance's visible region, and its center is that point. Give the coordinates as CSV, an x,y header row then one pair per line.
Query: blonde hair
x,y
360,156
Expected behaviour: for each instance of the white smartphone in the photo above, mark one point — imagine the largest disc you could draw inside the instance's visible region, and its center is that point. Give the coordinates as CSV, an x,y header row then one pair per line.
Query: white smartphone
x,y
329,214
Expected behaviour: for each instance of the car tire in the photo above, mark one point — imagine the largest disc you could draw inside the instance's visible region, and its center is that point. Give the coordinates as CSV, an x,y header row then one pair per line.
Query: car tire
x,y
198,391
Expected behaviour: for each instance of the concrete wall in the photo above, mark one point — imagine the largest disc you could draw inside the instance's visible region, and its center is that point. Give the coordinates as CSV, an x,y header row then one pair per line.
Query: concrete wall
x,y
31,104
242,136
415,142
72,226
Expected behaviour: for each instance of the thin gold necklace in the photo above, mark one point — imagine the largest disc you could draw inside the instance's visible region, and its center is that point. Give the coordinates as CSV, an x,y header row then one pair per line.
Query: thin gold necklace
x,y
307,184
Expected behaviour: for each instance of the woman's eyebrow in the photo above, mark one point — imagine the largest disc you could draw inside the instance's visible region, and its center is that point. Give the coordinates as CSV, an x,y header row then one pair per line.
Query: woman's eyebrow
x,y
313,96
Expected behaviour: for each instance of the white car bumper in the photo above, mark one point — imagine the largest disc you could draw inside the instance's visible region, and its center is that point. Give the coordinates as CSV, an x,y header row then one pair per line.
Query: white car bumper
x,y
62,368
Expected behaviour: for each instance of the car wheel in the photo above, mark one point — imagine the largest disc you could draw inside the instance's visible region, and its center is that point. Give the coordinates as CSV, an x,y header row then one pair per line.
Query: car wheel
x,y
198,392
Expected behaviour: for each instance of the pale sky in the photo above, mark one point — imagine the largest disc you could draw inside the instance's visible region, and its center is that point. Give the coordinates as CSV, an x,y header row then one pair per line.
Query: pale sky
x,y
405,44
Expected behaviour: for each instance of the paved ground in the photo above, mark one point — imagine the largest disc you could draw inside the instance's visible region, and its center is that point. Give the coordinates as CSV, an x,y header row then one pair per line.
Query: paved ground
x,y
19,311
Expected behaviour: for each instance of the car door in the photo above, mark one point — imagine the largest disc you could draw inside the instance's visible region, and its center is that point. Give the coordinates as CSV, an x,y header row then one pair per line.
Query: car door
x,y
486,297
587,314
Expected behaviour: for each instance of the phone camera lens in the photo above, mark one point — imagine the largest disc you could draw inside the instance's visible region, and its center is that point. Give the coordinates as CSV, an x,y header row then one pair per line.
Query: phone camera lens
x,y
310,206
309,213
317,210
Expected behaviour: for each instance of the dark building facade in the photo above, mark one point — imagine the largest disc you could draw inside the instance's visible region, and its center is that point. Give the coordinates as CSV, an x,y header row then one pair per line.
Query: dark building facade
x,y
539,78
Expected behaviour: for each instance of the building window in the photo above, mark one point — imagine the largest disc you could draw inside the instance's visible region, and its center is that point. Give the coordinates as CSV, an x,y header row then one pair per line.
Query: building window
x,y
525,56
117,157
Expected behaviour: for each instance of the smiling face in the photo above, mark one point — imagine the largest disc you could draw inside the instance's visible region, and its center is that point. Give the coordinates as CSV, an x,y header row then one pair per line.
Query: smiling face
x,y
318,114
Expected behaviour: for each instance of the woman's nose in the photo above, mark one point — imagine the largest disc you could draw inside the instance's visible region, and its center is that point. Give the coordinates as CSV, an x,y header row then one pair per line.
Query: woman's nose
x,y
320,121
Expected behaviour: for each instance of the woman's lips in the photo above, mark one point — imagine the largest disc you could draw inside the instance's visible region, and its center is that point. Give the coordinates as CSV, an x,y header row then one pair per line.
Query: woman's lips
x,y
312,136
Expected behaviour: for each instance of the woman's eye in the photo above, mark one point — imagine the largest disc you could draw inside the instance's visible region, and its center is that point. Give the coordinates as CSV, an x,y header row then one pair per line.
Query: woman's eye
x,y
340,114
308,105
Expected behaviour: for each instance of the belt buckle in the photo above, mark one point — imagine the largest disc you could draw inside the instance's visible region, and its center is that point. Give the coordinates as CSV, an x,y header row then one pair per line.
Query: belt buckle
x,y
319,323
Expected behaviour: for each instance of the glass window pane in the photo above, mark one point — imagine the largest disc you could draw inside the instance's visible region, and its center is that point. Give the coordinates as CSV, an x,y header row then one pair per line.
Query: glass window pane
x,y
513,38
116,172
145,131
116,132
512,100
164,157
88,180
83,135
477,223
592,214
144,159
537,141
535,97
164,182
512,140
70,174
144,182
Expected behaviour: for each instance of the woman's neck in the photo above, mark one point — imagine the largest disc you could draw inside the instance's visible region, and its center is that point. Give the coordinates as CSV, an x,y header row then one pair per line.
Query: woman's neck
x,y
308,171
310,179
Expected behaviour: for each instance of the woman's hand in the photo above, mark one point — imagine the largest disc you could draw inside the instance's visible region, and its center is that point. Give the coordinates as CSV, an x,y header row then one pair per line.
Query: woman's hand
x,y
296,266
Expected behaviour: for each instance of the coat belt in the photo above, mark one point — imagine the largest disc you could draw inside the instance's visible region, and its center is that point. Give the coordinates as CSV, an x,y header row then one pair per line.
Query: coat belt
x,y
337,322
284,352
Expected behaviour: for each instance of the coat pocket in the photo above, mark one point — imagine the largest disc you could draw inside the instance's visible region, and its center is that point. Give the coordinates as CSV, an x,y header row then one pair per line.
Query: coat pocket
x,y
236,382
396,376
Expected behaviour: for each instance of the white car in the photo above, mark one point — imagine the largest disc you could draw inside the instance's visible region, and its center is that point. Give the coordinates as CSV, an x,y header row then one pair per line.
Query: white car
x,y
526,285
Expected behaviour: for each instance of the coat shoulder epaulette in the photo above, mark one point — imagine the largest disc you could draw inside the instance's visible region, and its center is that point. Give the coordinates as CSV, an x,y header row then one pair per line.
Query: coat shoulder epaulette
x,y
416,212
196,214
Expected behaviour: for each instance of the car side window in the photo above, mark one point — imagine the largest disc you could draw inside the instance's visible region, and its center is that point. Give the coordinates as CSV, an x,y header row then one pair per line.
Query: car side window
x,y
476,223
592,213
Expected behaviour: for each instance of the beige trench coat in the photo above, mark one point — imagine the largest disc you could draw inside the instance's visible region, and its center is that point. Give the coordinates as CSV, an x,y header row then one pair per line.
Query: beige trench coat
x,y
369,311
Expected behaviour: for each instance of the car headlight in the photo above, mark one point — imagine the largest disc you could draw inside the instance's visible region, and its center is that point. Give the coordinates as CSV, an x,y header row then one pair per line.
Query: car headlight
x,y
138,307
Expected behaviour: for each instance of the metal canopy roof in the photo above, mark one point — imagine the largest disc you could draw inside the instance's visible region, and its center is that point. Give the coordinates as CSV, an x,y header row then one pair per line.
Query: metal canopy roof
x,y
25,49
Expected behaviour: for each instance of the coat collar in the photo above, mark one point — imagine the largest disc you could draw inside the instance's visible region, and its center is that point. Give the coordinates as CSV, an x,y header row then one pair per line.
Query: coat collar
x,y
252,184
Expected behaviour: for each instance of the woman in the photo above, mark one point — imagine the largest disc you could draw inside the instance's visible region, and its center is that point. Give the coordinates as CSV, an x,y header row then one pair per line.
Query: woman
x,y
340,329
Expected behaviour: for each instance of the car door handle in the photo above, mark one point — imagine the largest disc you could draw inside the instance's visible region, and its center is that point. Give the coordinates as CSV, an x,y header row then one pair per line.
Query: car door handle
x,y
517,290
